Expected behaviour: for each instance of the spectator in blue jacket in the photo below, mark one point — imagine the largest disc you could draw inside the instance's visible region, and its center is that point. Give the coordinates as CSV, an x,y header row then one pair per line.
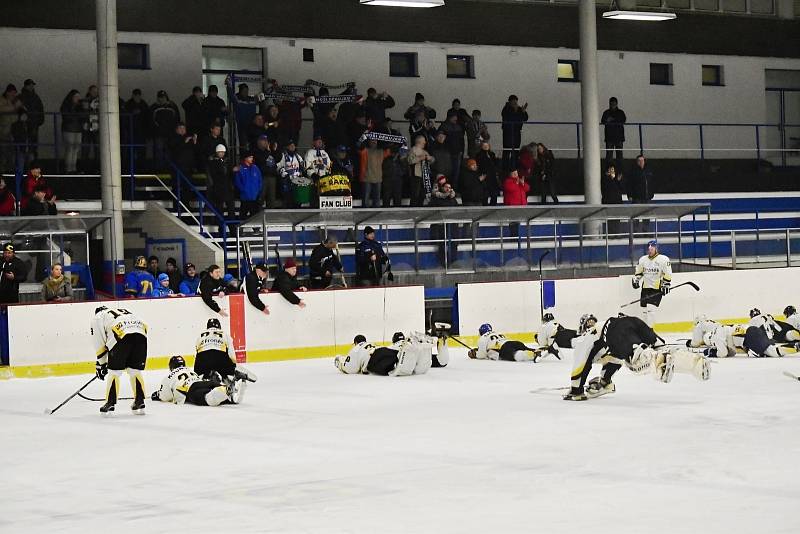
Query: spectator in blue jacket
x,y
190,281
162,288
248,181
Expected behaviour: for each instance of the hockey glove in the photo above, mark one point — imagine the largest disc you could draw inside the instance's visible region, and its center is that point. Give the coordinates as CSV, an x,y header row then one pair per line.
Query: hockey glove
x,y
101,370
155,396
664,287
635,282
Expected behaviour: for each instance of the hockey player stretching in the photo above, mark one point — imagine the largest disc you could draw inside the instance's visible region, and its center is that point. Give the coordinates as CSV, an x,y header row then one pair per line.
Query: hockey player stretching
x,y
182,385
494,346
629,341
654,275
120,340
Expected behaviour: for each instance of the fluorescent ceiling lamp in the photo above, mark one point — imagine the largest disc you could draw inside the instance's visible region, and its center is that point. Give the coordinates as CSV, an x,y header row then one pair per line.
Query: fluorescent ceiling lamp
x,y
647,16
403,3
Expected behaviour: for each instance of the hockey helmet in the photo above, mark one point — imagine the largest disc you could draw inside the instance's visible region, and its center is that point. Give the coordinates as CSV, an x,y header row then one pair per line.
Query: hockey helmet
x,y
755,312
100,309
547,317
484,328
652,243
213,323
701,318
360,338
398,336
140,262
175,362
788,311
583,324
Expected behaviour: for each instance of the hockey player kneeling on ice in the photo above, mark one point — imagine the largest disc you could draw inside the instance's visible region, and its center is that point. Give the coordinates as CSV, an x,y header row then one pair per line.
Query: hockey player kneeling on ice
x,y
402,358
182,385
654,275
215,354
120,340
718,338
494,346
629,341
760,336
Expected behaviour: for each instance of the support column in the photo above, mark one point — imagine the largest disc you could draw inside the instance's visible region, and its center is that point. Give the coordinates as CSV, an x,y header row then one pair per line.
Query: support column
x,y
110,165
590,113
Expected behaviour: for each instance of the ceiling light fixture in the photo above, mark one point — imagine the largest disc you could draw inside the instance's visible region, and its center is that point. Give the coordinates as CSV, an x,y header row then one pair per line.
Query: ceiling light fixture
x,y
647,16
403,3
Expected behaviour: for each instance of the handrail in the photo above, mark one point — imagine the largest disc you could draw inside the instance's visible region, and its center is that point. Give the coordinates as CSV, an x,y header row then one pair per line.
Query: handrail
x,y
184,206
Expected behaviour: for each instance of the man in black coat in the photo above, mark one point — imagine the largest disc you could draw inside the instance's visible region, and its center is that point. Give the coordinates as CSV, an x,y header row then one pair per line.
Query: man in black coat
x,y
474,189
370,260
137,124
220,183
324,262
214,107
375,106
254,284
12,273
34,109
286,283
614,121
195,112
514,116
640,189
212,285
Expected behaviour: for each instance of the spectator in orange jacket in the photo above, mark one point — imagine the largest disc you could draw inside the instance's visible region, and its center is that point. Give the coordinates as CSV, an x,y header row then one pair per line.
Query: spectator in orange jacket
x,y
371,174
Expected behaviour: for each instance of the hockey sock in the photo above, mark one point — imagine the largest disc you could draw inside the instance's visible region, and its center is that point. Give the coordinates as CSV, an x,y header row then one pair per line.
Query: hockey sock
x,y
112,387
608,371
137,385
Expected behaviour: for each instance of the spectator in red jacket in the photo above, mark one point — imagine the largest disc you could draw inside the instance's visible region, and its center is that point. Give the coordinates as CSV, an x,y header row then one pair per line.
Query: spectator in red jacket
x,y
33,180
8,203
515,193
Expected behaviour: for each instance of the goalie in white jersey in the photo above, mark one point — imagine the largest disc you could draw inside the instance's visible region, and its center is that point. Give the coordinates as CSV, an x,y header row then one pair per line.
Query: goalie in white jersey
x,y
182,385
654,275
403,357
214,353
120,340
495,346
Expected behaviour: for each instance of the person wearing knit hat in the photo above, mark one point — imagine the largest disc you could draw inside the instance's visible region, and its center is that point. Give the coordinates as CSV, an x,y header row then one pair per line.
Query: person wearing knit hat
x,y
419,106
162,288
13,271
370,261
286,284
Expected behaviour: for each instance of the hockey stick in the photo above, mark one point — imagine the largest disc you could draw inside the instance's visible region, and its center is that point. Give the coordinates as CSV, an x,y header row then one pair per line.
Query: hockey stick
x,y
541,284
339,255
790,375
51,412
84,397
542,390
454,338
640,299
278,258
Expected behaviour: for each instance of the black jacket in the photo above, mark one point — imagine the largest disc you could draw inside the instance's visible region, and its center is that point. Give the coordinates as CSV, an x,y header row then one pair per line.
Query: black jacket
x,y
544,168
220,175
286,285
366,269
9,289
253,285
195,113
72,117
512,125
165,118
474,191
138,117
487,164
323,259
215,110
375,108
614,121
207,145
611,190
210,288
640,185
33,107
36,209
181,152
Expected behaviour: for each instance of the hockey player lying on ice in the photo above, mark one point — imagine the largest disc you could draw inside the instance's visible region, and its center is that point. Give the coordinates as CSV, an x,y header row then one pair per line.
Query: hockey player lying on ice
x,y
494,346
182,385
552,336
627,340
402,358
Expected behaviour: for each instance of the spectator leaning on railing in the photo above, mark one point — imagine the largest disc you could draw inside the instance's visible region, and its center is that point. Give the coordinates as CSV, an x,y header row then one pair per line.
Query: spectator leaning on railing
x,y
191,282
56,287
8,203
212,285
286,283
162,288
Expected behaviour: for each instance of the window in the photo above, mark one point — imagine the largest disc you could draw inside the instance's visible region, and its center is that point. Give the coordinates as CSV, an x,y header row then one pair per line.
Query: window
x,y
660,73
763,7
679,4
403,64
734,6
568,70
460,67
648,3
308,55
712,75
706,5
133,56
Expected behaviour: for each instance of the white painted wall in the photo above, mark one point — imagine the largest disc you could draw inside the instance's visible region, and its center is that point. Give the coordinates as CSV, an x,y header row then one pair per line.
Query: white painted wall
x,y
61,60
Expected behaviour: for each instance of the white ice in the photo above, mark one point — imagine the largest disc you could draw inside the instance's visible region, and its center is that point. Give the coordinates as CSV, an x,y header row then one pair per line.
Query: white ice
x,y
464,449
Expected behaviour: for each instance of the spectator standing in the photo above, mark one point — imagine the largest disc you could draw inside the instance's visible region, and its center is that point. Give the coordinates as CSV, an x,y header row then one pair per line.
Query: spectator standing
x,y
8,203
266,158
395,169
34,109
13,272
332,131
514,116
474,189
318,165
56,287
208,143
375,106
290,115
477,133
255,129
526,162
139,116
10,108
372,157
291,169
490,166
417,106
323,263
220,183
545,174
272,123
440,150
38,205
286,283
162,288
614,120
420,161
214,107
444,196
139,283
461,113
91,130
370,260
245,108
641,189
421,125
191,282
71,129
174,274
165,116
182,152
342,164
515,193
611,188
212,285
255,283
455,144
248,182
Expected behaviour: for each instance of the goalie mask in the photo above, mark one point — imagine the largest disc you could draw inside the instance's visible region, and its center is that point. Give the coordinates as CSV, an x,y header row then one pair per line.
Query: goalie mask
x,y
175,362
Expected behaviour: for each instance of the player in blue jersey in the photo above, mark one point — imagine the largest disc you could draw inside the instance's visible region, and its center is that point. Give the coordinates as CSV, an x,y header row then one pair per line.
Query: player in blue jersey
x,y
139,283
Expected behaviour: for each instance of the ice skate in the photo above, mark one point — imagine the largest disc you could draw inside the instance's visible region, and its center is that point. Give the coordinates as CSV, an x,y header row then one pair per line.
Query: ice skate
x,y
107,409
575,394
598,387
137,407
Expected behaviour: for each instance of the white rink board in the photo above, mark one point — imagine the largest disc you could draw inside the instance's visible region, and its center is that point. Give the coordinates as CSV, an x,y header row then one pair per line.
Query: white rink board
x,y
514,306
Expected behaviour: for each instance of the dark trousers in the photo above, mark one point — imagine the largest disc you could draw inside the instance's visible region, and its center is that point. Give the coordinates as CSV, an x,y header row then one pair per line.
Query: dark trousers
x,y
197,392
510,159
614,150
210,361
382,361
417,191
222,199
392,193
248,208
549,188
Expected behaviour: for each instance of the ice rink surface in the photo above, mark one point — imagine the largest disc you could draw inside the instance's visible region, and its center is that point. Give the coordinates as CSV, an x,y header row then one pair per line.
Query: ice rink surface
x,y
464,449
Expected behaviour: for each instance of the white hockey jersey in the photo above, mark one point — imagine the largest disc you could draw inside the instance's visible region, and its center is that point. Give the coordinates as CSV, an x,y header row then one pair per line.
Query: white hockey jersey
x,y
356,360
489,345
651,272
766,323
545,337
714,335
215,339
794,320
176,385
318,162
111,325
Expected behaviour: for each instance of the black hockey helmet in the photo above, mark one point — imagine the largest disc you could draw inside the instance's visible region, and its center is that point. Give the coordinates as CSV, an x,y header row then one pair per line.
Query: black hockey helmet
x,y
547,317
360,338
398,336
175,362
788,311
214,323
755,312
99,309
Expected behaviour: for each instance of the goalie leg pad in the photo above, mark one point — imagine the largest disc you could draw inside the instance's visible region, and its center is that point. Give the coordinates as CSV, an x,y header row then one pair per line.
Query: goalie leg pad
x,y
663,367
406,362
424,353
691,363
217,396
642,360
